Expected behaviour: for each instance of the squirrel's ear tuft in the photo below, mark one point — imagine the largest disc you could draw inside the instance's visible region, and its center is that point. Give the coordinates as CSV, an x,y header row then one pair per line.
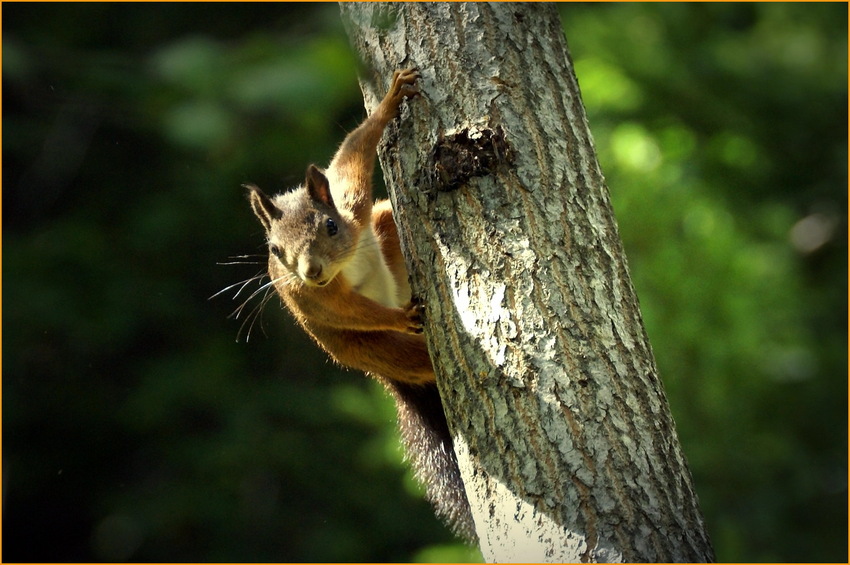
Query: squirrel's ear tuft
x,y
263,206
317,186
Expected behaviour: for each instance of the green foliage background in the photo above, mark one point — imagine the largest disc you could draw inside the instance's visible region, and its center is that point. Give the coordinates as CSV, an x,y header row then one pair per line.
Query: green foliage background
x,y
136,427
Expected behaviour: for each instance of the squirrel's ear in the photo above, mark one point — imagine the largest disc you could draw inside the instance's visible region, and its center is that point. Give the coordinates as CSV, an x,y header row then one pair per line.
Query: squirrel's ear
x,y
263,206
317,185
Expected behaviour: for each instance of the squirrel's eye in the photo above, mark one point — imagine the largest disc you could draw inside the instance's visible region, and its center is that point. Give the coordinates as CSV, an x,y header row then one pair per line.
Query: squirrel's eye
x,y
331,225
274,250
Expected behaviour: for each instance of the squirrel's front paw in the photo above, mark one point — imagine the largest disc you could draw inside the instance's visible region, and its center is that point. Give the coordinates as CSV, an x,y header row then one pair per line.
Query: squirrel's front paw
x,y
414,311
404,83
403,86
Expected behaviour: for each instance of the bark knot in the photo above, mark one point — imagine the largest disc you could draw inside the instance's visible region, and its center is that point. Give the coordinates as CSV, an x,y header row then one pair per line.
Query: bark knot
x,y
470,152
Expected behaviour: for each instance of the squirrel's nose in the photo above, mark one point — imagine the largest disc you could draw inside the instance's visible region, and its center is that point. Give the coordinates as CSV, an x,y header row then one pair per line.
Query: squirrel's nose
x,y
313,271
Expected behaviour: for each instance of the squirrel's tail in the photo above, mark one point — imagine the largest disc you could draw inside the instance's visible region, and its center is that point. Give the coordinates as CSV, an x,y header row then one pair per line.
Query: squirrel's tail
x,y
428,446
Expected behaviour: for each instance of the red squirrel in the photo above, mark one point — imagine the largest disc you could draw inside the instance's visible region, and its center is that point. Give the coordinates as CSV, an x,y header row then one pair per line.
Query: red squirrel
x,y
335,260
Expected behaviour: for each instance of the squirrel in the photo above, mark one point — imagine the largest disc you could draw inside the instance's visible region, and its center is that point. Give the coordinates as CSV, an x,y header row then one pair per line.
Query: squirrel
x,y
336,262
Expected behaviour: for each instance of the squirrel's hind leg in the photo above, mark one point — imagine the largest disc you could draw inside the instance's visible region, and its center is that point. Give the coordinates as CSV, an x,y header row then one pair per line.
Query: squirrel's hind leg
x,y
385,228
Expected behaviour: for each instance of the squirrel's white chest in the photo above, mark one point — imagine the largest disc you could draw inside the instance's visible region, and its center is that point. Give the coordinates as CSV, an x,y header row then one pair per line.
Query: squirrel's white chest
x,y
368,274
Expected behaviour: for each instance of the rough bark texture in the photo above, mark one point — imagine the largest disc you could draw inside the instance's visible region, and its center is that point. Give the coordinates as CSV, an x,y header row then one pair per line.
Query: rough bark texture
x,y
568,451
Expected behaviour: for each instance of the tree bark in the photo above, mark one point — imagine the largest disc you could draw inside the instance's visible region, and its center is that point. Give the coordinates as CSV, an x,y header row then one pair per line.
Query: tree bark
x,y
567,448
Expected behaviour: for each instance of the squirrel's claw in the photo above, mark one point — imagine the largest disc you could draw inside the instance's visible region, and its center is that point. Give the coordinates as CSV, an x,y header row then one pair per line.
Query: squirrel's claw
x,y
415,313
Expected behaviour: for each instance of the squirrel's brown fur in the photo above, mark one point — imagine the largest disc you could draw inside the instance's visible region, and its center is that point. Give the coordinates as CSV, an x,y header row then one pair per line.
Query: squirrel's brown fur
x,y
336,262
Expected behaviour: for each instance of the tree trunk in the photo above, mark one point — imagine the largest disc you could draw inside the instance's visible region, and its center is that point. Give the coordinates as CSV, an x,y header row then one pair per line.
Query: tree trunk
x,y
567,448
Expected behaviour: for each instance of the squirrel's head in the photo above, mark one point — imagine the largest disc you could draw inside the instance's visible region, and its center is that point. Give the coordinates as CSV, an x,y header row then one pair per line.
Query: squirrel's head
x,y
308,239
